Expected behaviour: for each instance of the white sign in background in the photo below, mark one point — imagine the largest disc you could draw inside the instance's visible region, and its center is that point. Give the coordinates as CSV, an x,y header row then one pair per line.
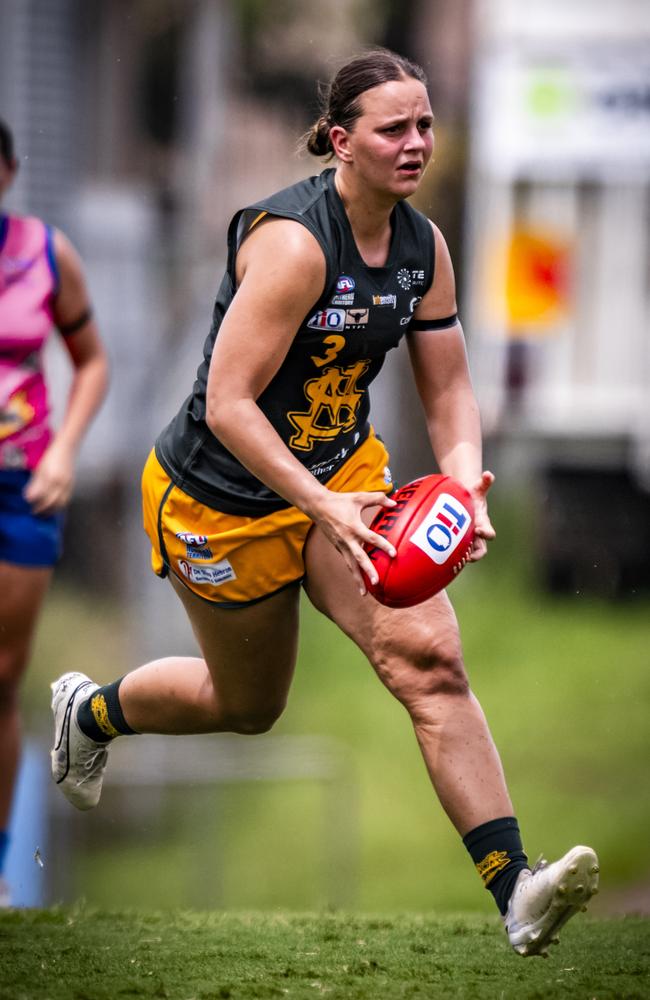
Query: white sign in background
x,y
564,110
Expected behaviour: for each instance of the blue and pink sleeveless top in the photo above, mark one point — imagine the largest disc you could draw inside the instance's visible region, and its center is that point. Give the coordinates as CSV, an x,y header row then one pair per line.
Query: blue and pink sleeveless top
x,y
28,283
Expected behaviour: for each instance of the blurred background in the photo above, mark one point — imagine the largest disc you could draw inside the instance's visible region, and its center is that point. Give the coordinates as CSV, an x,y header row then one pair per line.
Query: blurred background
x,y
141,126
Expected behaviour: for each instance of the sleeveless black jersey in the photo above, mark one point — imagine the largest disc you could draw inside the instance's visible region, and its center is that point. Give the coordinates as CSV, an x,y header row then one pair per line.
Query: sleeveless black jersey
x,y
318,401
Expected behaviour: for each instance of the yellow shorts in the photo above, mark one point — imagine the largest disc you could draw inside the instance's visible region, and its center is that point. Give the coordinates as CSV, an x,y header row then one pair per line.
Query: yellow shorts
x,y
232,560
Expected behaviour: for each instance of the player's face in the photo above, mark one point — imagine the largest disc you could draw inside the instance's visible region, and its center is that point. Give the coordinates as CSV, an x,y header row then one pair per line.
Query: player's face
x,y
391,143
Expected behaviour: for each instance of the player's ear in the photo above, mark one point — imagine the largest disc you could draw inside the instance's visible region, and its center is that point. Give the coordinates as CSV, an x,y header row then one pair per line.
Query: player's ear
x,y
340,139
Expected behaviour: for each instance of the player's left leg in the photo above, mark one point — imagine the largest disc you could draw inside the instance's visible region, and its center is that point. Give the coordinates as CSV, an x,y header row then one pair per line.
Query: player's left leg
x,y
22,589
416,652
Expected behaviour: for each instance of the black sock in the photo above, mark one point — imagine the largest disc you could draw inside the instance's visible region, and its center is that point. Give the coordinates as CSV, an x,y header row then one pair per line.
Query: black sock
x,y
100,716
499,856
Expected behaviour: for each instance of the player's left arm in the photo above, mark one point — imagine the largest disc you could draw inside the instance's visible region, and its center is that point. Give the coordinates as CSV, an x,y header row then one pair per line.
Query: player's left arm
x,y
51,483
441,371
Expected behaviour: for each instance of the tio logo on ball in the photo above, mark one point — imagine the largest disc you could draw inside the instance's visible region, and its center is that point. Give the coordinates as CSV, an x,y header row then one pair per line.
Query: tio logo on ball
x,y
443,529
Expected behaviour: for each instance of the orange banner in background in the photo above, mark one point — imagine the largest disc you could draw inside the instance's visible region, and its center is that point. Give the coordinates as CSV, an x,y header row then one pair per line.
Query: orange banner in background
x,y
537,281
527,282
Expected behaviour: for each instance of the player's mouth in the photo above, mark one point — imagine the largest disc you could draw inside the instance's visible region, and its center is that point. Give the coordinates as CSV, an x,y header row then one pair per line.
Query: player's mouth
x,y
410,169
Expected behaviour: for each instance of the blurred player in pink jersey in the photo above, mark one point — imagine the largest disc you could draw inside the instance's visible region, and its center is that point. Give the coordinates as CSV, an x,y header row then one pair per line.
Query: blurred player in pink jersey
x,y
41,286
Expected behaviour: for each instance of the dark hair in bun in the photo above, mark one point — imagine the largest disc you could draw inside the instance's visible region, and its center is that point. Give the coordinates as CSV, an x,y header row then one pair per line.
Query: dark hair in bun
x,y
340,103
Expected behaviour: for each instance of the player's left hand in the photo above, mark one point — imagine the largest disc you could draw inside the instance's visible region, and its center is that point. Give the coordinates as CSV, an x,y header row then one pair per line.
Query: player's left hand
x,y
483,530
50,486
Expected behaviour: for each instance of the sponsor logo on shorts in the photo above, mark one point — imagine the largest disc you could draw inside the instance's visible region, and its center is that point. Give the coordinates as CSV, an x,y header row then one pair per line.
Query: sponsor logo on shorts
x,y
327,319
215,574
356,317
385,300
192,552
443,529
345,283
191,539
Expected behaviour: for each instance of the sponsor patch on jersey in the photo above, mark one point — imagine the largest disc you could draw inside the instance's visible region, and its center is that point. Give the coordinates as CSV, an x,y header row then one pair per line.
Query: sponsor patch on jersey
x,y
356,317
385,300
443,529
327,319
215,574
345,283
415,301
343,300
404,279
417,276
190,538
323,468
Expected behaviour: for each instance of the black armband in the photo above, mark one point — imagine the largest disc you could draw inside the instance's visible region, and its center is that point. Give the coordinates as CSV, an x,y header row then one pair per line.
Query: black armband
x,y
76,324
433,324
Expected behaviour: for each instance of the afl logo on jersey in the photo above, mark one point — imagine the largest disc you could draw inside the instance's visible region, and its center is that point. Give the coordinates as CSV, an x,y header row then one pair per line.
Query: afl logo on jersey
x,y
327,319
345,284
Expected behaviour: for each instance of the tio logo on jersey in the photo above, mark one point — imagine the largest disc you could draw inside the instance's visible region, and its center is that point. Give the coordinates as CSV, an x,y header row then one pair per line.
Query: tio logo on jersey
x,y
327,319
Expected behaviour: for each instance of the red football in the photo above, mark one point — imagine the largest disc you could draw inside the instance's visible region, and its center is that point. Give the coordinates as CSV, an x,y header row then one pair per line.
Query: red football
x,y
431,528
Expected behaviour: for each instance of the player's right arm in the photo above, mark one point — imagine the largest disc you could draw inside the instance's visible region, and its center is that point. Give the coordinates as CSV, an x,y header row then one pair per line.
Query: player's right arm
x,y
280,275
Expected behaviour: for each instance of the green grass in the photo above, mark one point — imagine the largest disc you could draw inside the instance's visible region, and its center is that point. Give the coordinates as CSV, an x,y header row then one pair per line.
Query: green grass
x,y
564,682
82,954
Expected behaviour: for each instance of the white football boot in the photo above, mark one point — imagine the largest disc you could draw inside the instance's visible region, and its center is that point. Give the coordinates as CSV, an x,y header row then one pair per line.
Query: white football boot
x,y
78,763
546,897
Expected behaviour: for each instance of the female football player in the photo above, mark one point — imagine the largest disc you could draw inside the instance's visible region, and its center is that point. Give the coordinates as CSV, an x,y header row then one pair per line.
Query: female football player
x,y
267,479
41,286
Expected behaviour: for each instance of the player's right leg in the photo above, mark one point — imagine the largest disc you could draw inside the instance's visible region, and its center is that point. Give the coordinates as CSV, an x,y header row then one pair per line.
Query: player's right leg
x,y
240,684
238,579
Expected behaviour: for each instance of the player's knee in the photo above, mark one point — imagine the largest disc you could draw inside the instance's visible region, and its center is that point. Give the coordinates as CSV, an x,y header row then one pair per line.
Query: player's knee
x,y
424,669
253,721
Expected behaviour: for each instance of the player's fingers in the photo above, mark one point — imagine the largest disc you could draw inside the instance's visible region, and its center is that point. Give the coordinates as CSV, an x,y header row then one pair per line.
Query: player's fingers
x,y
483,529
371,538
47,504
364,565
377,499
354,565
479,549
484,483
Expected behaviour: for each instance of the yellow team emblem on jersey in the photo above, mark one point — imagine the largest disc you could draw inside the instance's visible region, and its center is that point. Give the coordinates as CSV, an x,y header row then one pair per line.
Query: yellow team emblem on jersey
x,y
334,399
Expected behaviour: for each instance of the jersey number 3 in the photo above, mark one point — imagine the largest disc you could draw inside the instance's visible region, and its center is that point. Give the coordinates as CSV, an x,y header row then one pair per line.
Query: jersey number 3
x,y
334,345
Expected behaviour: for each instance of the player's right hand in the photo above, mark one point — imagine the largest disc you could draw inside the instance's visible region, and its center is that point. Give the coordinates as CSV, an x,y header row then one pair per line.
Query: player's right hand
x,y
339,516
